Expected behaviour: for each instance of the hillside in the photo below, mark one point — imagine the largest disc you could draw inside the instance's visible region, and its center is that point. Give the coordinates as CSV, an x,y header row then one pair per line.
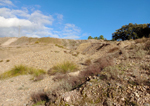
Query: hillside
x,y
103,73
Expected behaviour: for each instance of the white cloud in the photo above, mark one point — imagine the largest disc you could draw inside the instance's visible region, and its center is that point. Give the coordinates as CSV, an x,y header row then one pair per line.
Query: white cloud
x,y
38,18
71,30
34,24
14,22
6,3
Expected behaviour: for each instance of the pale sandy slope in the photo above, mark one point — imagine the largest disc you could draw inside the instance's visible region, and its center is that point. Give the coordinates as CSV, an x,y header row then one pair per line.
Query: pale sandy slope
x,y
9,41
16,91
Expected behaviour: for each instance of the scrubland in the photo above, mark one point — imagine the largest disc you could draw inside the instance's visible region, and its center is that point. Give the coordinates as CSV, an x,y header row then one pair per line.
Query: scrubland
x,y
61,72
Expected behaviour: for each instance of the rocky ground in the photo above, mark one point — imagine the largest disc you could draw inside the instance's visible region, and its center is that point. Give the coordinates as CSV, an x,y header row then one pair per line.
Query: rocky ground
x,y
126,82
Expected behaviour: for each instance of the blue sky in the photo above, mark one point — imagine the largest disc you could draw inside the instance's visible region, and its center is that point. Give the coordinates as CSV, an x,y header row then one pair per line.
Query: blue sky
x,y
72,19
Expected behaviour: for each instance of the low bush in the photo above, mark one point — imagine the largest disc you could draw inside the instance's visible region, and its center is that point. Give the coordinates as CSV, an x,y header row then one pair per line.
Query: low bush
x,y
97,67
88,62
7,60
36,42
21,70
39,97
64,67
140,54
59,77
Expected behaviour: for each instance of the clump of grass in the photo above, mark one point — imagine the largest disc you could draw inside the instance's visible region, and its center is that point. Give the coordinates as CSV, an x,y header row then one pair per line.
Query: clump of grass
x,y
36,42
59,46
49,40
22,70
140,54
1,60
56,51
39,103
63,68
7,60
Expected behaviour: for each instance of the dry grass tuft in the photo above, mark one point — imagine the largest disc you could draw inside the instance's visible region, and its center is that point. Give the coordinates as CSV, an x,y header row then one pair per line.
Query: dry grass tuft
x,y
49,40
63,68
59,46
113,50
21,70
7,60
142,40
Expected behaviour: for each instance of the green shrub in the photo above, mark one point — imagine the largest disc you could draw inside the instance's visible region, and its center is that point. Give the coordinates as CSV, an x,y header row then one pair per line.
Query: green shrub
x,y
7,60
63,68
21,70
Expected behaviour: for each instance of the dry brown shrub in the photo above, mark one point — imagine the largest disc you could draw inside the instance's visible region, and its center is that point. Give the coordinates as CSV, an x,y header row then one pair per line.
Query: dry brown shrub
x,y
75,81
88,62
105,61
113,50
90,71
41,96
96,68
59,77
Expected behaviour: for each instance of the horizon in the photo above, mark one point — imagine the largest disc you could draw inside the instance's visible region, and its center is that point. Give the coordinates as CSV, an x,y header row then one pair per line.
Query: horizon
x,y
69,19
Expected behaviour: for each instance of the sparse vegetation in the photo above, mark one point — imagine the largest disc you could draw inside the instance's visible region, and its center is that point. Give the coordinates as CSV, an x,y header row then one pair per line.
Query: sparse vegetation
x,y
56,51
88,62
142,40
64,67
39,97
59,46
147,46
1,60
7,60
49,40
116,76
36,42
21,70
113,50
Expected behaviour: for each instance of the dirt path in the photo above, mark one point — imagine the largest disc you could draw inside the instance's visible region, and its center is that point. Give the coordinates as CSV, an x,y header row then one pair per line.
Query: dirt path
x,y
9,41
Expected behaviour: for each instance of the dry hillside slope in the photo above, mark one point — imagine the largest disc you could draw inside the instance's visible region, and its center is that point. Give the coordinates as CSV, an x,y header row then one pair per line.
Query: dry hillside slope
x,y
62,72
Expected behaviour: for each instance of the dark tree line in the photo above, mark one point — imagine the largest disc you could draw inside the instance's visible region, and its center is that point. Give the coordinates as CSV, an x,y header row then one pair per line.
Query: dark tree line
x,y
98,38
132,31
